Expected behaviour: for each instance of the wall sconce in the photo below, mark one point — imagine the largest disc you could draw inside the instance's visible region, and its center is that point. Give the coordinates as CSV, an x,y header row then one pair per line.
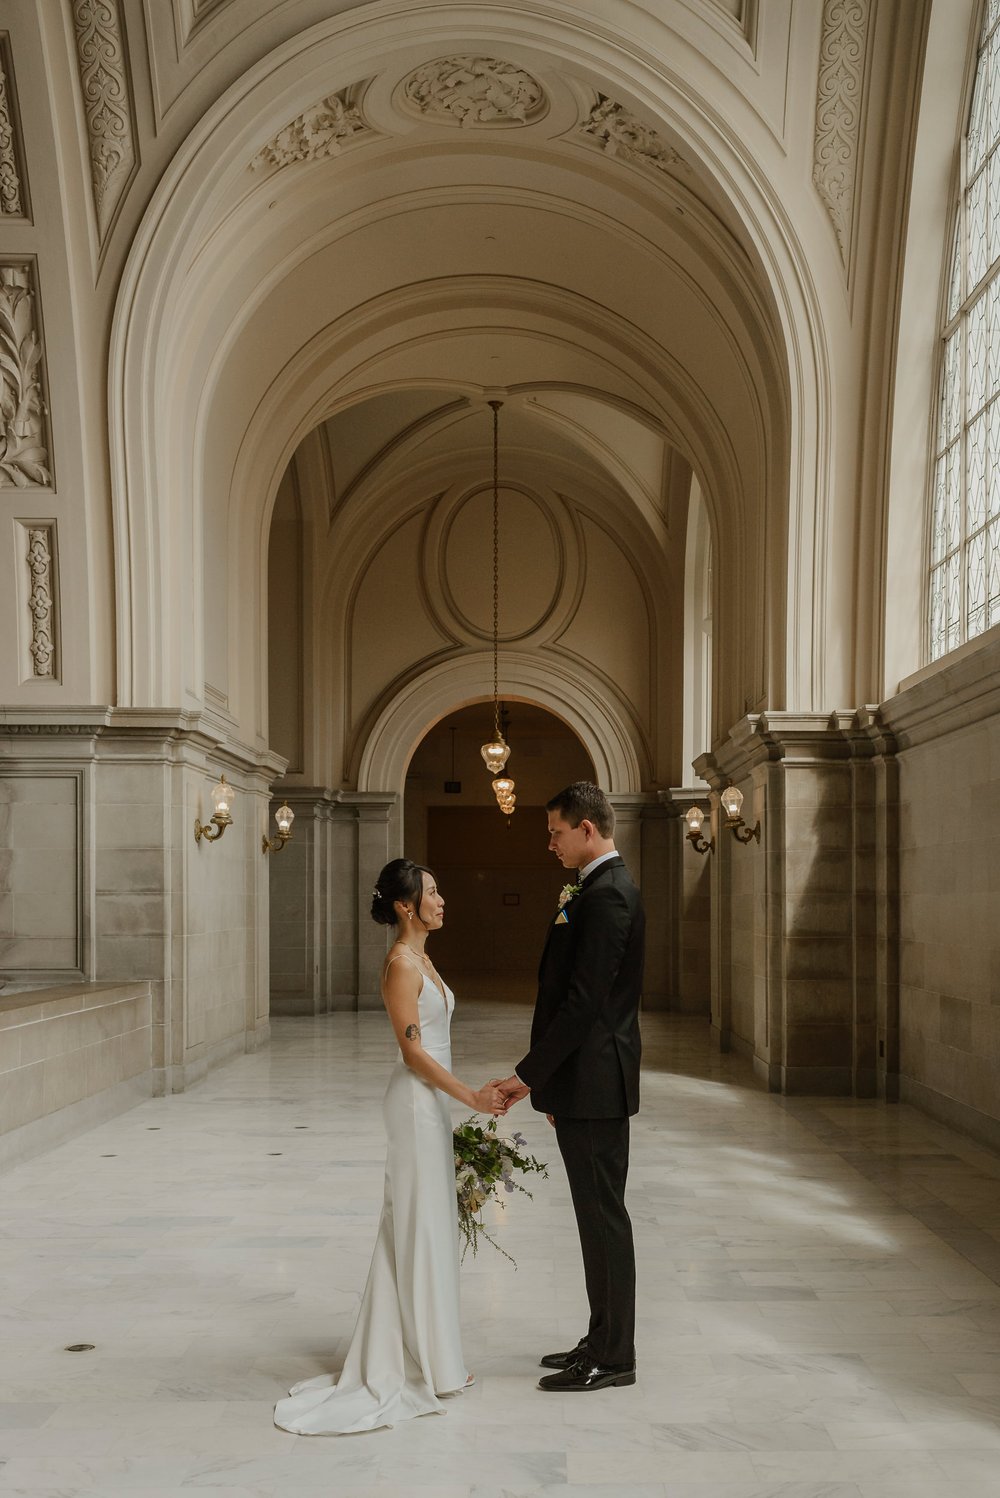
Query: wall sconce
x,y
284,817
222,800
694,817
732,801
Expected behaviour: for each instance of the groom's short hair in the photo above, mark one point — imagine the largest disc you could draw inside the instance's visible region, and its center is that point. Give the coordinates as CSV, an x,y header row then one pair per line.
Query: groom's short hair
x,y
584,801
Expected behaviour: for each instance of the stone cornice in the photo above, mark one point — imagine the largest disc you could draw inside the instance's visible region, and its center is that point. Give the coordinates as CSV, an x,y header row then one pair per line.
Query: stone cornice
x,y
142,731
680,798
799,738
956,693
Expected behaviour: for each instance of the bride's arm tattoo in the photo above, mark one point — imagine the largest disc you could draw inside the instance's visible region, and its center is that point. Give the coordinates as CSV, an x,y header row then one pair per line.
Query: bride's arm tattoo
x,y
412,1032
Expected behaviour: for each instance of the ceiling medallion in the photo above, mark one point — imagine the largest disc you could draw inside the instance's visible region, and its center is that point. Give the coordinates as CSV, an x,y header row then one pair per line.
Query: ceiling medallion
x,y
619,133
470,91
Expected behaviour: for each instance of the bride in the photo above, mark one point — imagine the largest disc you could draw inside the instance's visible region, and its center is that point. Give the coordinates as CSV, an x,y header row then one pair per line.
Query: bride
x,y
406,1351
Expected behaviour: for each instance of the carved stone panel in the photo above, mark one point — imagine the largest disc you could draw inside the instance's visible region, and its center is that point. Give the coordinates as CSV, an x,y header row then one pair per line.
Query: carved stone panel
x,y
24,459
473,91
41,598
619,133
321,131
13,182
107,104
839,100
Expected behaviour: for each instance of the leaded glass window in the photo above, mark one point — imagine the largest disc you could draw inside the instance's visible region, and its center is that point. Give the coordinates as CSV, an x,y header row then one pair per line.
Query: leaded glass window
x,y
965,491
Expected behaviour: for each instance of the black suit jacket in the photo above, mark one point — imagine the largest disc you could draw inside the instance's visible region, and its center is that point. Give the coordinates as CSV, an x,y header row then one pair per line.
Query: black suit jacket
x,y
585,1046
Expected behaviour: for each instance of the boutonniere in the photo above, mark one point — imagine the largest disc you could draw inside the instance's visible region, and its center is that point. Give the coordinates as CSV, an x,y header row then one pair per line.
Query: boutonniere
x,y
567,893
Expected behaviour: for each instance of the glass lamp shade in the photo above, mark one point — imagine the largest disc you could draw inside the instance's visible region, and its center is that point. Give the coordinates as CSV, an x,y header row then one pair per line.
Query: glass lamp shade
x,y
694,818
222,797
495,755
503,787
732,801
284,817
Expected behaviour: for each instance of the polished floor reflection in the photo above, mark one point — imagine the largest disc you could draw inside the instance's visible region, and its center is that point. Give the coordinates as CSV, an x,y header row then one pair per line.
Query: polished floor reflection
x,y
819,1296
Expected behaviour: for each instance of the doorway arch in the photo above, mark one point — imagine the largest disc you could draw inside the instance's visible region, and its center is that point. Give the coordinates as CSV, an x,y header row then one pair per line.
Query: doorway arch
x,y
599,720
499,881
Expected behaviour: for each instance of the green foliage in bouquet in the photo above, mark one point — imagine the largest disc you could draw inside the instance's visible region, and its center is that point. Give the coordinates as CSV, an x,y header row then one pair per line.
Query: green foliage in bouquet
x,y
485,1163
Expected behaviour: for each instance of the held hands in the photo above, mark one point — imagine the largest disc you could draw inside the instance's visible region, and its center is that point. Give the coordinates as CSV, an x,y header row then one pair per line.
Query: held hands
x,y
497,1096
490,1099
513,1090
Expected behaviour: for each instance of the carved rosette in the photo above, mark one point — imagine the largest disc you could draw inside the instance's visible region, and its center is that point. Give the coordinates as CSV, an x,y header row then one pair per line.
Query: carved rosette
x,y
11,193
473,91
838,111
106,102
321,131
41,601
619,133
23,452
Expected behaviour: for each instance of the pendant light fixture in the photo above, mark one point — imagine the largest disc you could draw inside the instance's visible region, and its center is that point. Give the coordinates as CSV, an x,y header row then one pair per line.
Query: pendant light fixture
x,y
497,752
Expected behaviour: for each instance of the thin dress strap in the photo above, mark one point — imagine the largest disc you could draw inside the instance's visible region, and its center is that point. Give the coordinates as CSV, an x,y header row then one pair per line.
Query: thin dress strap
x,y
394,957
424,974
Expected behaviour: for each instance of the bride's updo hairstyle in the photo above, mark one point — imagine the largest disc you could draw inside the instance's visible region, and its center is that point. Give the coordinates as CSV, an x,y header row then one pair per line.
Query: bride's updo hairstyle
x,y
399,880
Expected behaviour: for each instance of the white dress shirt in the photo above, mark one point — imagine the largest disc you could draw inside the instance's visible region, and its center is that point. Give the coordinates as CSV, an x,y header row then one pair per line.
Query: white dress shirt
x,y
595,863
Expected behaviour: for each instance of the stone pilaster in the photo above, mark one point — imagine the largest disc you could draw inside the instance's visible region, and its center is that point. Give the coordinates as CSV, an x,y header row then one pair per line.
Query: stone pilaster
x,y
376,814
326,951
803,924
299,918
688,883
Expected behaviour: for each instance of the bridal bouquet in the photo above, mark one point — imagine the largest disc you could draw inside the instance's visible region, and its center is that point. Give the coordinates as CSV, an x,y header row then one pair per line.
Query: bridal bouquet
x,y
485,1162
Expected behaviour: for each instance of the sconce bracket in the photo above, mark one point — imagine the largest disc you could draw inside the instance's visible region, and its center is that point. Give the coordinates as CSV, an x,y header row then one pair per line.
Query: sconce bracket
x,y
274,845
700,844
201,830
744,834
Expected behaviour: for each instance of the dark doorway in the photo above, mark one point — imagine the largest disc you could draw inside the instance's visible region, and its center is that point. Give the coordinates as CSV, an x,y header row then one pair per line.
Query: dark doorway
x,y
498,879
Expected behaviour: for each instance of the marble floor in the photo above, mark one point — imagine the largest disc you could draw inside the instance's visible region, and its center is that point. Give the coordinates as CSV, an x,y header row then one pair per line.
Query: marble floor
x,y
819,1291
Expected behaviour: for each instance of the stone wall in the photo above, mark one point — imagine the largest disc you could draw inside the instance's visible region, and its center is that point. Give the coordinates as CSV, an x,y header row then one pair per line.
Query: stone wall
x,y
70,1057
99,806
947,722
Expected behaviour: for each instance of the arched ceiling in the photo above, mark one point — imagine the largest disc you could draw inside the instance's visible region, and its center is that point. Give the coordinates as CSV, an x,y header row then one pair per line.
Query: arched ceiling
x,y
382,226
510,183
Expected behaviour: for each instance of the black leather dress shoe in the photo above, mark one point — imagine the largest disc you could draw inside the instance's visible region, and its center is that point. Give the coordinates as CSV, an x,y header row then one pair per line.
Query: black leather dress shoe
x,y
584,1375
564,1359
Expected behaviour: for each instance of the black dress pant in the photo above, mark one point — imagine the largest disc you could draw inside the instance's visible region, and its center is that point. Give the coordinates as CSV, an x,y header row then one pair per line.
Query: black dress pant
x,y
595,1153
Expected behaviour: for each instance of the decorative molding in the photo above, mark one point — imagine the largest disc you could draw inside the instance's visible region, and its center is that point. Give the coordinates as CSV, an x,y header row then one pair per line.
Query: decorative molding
x,y
471,91
13,195
107,104
23,435
49,730
619,133
320,132
839,100
42,599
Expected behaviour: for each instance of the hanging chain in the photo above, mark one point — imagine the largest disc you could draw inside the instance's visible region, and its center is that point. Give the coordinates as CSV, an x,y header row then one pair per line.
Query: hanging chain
x,y
495,406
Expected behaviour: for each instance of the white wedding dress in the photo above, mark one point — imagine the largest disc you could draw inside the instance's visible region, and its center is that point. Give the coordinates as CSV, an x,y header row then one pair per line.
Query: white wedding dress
x,y
406,1350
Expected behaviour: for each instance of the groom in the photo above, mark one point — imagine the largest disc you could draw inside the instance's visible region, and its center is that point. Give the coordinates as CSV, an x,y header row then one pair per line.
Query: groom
x,y
583,1071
